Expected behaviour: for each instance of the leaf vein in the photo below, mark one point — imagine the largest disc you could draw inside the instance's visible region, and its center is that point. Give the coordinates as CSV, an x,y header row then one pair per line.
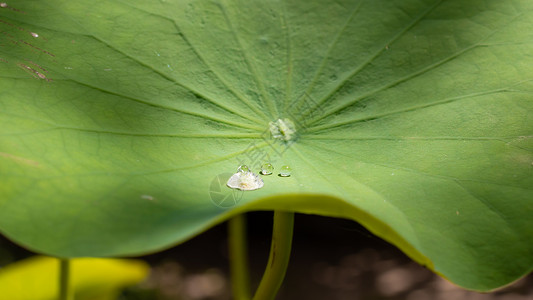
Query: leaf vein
x,y
409,109
373,57
260,84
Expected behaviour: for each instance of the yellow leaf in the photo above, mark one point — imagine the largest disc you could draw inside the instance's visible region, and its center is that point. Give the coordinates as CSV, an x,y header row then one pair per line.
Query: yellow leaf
x,y
36,278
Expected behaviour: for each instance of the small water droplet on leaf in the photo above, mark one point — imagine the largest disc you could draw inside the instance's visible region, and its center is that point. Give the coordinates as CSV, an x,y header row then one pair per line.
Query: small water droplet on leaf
x,y
267,169
285,171
283,129
147,197
243,169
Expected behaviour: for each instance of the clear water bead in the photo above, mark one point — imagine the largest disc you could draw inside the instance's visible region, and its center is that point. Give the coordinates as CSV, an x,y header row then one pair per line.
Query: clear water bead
x,y
283,129
267,169
243,169
285,171
245,181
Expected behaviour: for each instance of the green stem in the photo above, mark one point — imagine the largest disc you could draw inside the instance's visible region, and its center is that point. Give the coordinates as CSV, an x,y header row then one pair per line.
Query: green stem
x,y
278,261
240,278
65,292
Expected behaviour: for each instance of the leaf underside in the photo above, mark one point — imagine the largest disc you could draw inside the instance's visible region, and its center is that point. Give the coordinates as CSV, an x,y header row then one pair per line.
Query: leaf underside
x,y
120,121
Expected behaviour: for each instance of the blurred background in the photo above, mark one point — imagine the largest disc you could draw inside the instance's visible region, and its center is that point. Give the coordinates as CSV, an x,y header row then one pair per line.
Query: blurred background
x,y
331,259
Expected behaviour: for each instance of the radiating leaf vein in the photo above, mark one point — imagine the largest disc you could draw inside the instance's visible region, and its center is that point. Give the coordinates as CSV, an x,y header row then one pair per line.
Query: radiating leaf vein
x,y
380,50
407,109
259,81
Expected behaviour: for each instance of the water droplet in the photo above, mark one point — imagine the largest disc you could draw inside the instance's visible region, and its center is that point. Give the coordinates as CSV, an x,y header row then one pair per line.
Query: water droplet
x,y
3,4
263,40
243,169
245,181
147,197
285,171
35,35
267,169
283,129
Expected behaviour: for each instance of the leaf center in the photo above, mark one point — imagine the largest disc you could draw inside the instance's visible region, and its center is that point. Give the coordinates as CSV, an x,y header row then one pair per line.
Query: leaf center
x,y
283,129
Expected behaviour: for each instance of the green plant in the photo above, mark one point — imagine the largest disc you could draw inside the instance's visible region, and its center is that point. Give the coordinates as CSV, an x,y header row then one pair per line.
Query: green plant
x,y
35,278
119,118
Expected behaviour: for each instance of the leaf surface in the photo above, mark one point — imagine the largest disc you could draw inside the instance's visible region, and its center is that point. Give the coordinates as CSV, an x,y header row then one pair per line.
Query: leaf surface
x,y
121,120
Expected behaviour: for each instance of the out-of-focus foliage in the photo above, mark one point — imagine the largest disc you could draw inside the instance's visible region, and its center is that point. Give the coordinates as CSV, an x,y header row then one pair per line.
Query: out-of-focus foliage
x,y
37,278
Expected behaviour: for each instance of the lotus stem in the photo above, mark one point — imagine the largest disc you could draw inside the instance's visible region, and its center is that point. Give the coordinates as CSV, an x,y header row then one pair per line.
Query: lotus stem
x,y
278,260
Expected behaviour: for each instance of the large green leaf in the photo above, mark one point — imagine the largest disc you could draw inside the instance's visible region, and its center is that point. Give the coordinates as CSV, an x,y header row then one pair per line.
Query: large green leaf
x,y
119,119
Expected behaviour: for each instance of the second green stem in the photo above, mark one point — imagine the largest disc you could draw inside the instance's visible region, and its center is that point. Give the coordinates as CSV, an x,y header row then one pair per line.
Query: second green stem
x,y
238,254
